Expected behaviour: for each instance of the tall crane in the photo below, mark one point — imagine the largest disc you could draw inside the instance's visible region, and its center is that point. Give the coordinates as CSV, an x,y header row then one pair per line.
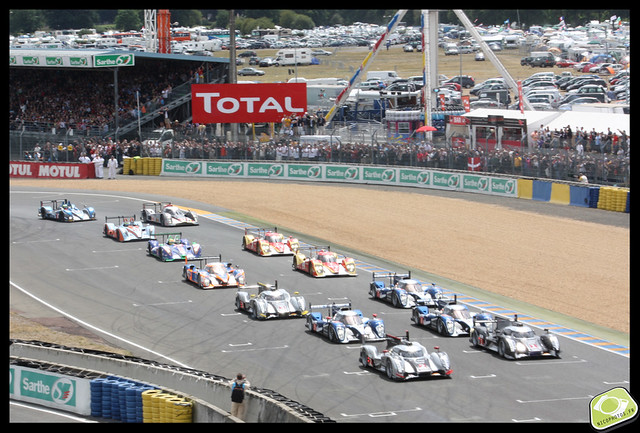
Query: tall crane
x,y
489,54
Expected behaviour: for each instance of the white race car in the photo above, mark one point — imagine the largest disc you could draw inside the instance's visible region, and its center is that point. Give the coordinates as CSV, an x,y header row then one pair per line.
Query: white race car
x,y
168,215
270,302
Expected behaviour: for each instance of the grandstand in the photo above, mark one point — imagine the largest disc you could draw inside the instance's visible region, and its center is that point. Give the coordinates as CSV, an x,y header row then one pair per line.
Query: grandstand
x,y
64,90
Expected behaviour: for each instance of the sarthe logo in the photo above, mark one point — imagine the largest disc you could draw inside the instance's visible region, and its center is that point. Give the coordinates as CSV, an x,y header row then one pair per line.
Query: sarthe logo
x,y
612,409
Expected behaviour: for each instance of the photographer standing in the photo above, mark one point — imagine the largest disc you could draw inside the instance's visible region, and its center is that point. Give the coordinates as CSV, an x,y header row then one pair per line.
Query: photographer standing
x,y
238,387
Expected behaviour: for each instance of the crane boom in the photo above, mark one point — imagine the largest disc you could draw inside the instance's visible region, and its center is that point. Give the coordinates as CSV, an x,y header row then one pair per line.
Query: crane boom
x,y
491,55
365,64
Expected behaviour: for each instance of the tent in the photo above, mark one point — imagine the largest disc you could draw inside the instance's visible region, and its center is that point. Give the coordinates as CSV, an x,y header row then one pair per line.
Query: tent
x,y
590,120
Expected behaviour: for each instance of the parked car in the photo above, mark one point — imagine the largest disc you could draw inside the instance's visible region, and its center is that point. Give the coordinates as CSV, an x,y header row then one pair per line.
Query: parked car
x,y
250,71
526,61
451,51
479,57
266,62
542,62
465,81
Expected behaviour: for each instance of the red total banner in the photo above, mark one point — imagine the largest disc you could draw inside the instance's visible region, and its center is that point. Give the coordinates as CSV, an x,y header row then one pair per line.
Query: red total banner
x,y
247,103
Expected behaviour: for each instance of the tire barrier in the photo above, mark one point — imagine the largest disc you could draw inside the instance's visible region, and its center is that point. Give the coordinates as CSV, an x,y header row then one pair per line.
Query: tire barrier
x,y
142,166
122,400
614,199
609,198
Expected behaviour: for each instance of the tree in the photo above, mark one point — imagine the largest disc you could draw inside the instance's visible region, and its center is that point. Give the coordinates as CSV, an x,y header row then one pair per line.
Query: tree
x,y
23,21
128,19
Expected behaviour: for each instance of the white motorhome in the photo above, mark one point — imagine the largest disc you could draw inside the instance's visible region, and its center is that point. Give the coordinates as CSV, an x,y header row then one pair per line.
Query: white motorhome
x,y
293,56
386,76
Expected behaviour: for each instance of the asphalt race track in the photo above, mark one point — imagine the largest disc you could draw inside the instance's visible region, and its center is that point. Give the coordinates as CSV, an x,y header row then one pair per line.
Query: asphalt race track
x,y
139,303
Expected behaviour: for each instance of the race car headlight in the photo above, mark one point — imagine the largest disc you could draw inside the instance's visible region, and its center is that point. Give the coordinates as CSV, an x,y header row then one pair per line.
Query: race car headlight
x,y
319,267
520,347
403,297
380,329
341,331
451,325
351,267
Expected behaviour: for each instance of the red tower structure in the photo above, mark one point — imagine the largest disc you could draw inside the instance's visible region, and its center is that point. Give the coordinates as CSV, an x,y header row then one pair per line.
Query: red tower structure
x,y
164,31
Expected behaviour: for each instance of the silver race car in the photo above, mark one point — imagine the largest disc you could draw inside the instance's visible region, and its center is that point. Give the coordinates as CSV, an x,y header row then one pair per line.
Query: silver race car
x,y
270,302
404,360
512,339
168,215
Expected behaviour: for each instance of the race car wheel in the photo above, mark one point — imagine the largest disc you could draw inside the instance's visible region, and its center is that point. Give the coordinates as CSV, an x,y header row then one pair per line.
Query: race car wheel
x,y
440,327
389,370
502,350
120,237
309,323
474,339
333,337
364,359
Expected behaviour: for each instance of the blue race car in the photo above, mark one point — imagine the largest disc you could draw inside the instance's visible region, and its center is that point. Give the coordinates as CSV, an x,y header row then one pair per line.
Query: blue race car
x,y
450,320
402,291
344,324
172,246
65,211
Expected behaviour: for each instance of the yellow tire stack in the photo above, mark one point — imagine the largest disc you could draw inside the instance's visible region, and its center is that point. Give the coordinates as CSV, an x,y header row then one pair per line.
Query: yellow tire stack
x,y
144,166
613,198
164,407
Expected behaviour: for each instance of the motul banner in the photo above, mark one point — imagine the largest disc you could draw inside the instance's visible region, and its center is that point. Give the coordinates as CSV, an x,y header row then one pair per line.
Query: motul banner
x,y
247,103
53,170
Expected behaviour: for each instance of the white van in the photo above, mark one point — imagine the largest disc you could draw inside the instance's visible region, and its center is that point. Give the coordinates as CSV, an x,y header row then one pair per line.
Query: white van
x,y
293,56
386,76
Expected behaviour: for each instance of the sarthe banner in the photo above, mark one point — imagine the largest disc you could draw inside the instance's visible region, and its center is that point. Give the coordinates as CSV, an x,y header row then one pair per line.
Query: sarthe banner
x,y
247,103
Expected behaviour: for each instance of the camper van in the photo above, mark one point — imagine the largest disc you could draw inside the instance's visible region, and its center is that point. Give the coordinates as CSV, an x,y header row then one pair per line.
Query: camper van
x,y
293,56
387,76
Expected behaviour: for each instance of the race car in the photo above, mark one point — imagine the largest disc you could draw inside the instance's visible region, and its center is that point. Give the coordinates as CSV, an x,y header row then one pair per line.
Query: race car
x,y
127,229
344,324
267,242
451,320
322,262
213,273
404,360
65,211
270,302
171,246
168,215
402,291
512,339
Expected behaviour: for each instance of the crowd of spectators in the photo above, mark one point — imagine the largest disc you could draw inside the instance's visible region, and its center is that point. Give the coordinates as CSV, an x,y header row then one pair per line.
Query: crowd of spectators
x,y
44,99
604,160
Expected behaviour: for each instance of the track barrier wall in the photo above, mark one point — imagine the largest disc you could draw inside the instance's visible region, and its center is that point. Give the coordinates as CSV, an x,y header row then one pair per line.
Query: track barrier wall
x,y
558,192
76,380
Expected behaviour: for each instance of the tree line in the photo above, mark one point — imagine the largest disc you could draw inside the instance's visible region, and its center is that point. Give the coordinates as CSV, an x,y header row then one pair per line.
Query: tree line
x,y
22,21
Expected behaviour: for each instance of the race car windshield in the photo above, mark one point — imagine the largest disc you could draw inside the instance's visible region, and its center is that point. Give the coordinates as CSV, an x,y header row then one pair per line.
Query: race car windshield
x,y
274,296
352,320
413,287
409,352
460,314
213,268
274,238
524,334
327,258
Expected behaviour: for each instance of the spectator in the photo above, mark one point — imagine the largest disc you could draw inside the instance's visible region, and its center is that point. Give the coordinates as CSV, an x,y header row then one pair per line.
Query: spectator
x,y
238,388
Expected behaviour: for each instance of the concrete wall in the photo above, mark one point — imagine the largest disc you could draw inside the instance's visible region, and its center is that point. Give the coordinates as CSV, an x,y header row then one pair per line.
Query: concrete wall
x,y
211,395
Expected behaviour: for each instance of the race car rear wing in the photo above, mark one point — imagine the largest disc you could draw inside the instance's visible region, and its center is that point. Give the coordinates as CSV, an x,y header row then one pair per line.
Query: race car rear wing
x,y
156,206
333,306
203,261
166,236
55,204
121,219
394,277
